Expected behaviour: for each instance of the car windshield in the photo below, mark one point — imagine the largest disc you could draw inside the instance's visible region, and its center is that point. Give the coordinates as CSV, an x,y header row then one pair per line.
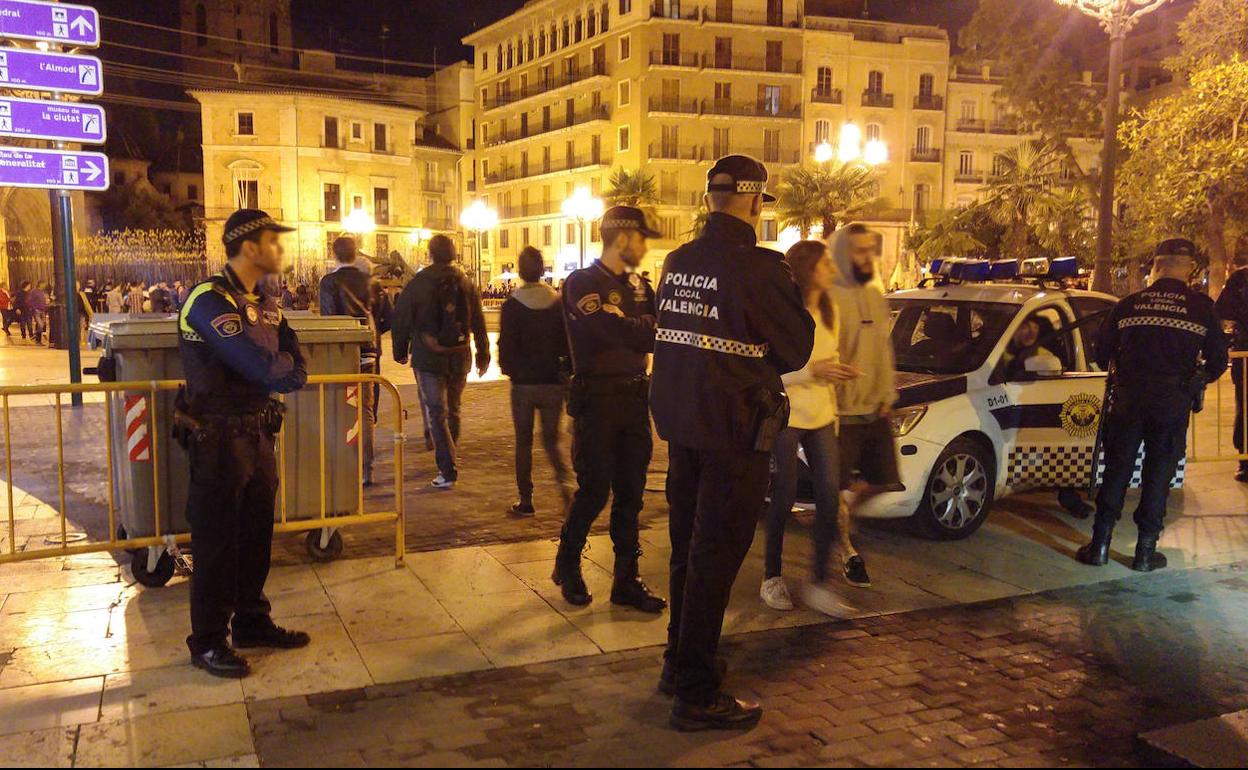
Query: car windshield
x,y
939,336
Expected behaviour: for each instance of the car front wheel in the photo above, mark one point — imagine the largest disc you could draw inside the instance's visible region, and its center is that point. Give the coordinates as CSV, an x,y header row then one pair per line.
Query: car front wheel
x,y
959,492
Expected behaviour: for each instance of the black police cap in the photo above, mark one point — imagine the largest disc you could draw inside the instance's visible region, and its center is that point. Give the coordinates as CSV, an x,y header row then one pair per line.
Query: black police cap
x,y
749,176
1175,247
244,222
627,218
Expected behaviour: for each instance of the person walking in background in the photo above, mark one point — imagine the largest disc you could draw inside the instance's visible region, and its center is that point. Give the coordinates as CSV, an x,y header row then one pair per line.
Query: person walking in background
x,y
533,352
135,298
85,313
21,310
6,309
303,298
160,299
437,313
38,304
115,299
1232,307
181,292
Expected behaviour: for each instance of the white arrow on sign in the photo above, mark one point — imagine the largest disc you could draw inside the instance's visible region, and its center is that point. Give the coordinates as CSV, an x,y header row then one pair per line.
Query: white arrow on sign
x,y
81,25
93,171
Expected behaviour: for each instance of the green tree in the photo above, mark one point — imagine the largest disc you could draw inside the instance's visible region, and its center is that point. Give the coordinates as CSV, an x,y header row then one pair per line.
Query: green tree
x,y
949,235
631,188
1214,31
139,206
1063,226
822,195
1022,191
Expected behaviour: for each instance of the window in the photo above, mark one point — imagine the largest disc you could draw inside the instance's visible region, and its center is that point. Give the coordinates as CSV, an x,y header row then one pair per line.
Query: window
x,y
569,154
874,131
431,210
723,93
331,131
541,43
498,58
823,81
769,230
966,163
524,236
248,191
720,143
591,23
545,160
357,131
379,137
598,60
625,6
626,47
923,139
333,203
998,165
927,84
775,56
570,233
769,99
775,13
625,139
511,55
595,150
670,8
671,48
823,131
723,53
670,141
626,94
504,238
485,60
922,197
192,192
381,244
567,34
771,145
875,82
381,205
546,235
246,124
524,163
357,202
968,109
273,33
201,25
602,20
578,31
529,48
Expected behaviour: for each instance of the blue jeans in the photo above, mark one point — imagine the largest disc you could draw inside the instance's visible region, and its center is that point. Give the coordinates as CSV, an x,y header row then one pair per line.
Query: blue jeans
x,y
822,457
442,394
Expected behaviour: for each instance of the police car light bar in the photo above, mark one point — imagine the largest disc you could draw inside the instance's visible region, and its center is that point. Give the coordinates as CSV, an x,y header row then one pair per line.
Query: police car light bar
x,y
1003,269
970,270
1035,267
1066,267
934,268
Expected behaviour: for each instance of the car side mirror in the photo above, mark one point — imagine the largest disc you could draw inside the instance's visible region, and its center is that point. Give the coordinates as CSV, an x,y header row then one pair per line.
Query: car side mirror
x,y
1043,365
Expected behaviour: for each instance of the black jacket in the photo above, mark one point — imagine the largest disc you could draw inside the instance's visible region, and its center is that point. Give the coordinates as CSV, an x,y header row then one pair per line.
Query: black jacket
x,y
731,321
347,291
416,313
1161,331
1232,305
603,343
532,340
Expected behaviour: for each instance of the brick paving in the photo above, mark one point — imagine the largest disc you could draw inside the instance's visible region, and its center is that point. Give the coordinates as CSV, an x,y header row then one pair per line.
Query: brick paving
x,y
1062,678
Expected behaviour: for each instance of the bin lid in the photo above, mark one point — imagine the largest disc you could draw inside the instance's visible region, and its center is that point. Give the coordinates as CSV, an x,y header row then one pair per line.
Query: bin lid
x,y
152,331
313,328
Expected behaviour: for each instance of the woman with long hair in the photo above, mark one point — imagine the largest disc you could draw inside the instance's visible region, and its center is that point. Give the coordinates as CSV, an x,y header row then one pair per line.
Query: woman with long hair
x,y
813,427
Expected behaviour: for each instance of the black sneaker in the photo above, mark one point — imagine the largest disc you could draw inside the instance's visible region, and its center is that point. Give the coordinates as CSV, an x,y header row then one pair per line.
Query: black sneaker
x,y
723,713
856,572
523,509
1242,473
223,662
273,636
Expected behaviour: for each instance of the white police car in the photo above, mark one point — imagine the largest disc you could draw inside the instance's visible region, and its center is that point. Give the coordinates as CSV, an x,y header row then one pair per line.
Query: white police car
x,y
999,390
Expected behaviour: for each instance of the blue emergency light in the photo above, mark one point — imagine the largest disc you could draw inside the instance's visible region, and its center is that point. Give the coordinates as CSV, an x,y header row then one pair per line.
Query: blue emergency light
x,y
1003,269
970,270
1065,267
934,269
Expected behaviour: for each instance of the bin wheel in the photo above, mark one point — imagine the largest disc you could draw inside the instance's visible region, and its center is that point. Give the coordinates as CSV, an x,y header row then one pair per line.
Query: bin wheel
x,y
154,579
313,543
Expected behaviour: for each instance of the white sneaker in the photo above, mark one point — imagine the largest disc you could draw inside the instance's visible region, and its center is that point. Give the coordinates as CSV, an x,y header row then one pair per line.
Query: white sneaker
x,y
775,594
441,483
820,598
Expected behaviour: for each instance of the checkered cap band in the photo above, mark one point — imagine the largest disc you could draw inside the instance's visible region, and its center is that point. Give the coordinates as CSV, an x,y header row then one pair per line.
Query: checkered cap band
x,y
249,227
742,187
714,344
621,224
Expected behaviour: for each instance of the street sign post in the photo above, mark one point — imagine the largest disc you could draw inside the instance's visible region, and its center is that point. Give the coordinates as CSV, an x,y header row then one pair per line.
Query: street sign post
x,y
73,25
58,121
53,169
39,71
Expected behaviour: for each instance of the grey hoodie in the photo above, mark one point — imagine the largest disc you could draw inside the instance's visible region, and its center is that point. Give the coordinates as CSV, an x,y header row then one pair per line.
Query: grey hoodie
x,y
865,337
536,296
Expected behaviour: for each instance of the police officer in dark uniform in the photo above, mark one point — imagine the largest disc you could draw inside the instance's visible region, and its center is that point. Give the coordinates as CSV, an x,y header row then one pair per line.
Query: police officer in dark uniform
x,y
236,351
611,319
1232,306
1165,344
731,321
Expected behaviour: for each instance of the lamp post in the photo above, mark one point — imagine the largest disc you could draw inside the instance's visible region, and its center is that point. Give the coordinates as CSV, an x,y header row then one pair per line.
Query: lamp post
x,y
480,219
419,237
359,223
1117,17
583,207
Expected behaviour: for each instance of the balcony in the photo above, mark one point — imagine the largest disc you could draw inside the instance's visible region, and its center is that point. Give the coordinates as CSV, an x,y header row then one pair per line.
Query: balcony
x,y
669,151
677,106
751,109
689,59
777,65
969,177
827,96
876,99
1004,127
971,125
929,102
439,223
661,10
545,86
755,18
691,198
433,186
601,112
585,161
924,155
766,155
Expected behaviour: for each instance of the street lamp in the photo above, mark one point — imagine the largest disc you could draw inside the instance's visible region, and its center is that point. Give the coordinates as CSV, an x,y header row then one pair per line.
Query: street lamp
x,y
418,238
1117,17
850,148
824,152
358,222
479,218
583,207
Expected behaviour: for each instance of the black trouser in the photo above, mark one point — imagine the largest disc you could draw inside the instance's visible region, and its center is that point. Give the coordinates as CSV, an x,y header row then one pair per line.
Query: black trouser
x,y
230,510
611,447
1153,413
1237,377
526,401
714,499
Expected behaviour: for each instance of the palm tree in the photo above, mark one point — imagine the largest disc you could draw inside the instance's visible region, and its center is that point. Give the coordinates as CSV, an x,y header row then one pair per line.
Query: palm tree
x,y
631,188
1023,182
949,236
1063,225
821,195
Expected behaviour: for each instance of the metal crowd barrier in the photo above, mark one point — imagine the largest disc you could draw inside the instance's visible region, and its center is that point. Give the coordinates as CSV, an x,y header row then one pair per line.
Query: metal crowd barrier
x,y
159,539
1200,433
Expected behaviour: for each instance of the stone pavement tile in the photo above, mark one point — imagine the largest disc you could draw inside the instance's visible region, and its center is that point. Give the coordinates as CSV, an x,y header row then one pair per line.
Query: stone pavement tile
x,y
37,629
247,760
330,662
78,659
518,627
621,628
532,550
342,571
53,747
389,605
158,690
40,706
461,572
537,576
157,740
296,591
428,656
56,601
63,578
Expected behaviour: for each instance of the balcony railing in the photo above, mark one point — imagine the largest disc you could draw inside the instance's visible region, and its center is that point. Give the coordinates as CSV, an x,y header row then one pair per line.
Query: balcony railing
x,y
691,59
529,210
682,12
750,109
601,112
925,155
680,106
433,186
969,177
827,96
929,102
439,223
731,15
876,99
972,125
546,85
764,154
669,151
1004,127
777,65
512,173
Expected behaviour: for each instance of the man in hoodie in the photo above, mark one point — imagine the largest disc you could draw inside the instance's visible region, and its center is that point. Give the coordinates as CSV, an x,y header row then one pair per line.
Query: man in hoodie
x,y
866,403
533,352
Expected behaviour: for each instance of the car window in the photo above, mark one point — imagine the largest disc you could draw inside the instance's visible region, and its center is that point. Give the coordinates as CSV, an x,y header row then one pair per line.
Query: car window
x,y
942,337
1090,332
1044,331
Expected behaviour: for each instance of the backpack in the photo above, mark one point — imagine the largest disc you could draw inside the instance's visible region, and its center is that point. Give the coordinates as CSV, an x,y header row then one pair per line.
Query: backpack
x,y
451,315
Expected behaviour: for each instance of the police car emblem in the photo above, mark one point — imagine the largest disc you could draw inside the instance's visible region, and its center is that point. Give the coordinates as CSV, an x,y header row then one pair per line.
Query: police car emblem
x,y
589,304
253,314
228,324
1080,415
614,298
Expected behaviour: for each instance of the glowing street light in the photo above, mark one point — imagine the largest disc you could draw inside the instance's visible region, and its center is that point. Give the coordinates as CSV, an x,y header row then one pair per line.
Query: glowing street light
x,y
583,207
358,222
1117,17
824,152
875,153
850,146
479,218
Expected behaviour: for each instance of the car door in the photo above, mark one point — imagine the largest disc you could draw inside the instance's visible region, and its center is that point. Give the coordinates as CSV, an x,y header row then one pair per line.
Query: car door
x,y
1049,422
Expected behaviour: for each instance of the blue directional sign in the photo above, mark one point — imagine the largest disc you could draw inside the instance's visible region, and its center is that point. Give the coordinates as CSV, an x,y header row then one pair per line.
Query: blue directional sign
x,y
75,25
41,71
20,167
62,121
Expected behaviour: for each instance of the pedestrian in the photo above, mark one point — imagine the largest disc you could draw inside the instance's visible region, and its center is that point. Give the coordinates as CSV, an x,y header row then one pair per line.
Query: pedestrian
x,y
868,449
1232,307
182,292
21,308
812,427
159,298
6,309
611,320
116,299
345,291
85,312
1155,341
533,352
383,319
37,304
731,322
437,312
303,298
236,351
136,299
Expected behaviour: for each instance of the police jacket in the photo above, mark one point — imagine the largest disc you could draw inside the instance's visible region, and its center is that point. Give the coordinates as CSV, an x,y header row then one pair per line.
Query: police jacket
x,y
236,348
347,290
1232,305
416,314
1161,332
731,321
611,322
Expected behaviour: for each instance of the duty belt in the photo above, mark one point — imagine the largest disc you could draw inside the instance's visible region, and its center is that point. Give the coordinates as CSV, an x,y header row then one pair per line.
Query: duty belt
x,y
235,423
612,384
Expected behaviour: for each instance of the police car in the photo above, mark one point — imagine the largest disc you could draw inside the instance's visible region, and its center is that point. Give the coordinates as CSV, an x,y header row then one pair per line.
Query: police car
x,y
999,389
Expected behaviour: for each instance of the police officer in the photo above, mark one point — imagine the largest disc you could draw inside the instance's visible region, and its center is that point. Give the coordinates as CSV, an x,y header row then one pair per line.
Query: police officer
x,y
1165,344
731,321
1232,306
236,351
611,319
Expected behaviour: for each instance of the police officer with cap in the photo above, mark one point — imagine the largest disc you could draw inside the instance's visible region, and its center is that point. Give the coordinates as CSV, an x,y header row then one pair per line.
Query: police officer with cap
x,y
237,349
731,321
1164,345
611,320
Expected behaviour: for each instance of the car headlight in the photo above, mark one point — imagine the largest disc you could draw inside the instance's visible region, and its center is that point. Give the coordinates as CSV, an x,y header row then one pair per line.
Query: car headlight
x,y
904,420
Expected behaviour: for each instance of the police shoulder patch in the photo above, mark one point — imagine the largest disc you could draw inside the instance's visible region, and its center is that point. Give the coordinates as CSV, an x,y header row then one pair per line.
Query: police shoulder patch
x,y
589,304
228,325
253,314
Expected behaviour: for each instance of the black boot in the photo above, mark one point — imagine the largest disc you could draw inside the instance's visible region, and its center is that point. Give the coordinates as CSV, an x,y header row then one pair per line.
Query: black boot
x,y
1096,553
1242,473
1146,557
568,575
523,508
628,590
